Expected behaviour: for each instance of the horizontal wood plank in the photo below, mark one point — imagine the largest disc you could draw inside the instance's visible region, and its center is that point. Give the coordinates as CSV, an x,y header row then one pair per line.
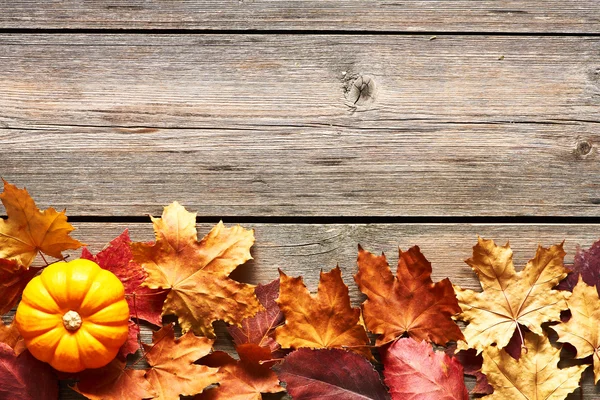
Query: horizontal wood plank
x,y
286,125
307,249
573,16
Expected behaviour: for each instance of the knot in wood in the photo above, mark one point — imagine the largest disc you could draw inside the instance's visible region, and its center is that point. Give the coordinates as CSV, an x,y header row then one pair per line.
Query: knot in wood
x,y
361,91
584,147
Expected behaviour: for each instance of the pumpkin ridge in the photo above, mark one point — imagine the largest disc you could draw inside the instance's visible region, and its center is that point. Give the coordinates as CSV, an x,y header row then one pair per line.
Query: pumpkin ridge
x,y
88,284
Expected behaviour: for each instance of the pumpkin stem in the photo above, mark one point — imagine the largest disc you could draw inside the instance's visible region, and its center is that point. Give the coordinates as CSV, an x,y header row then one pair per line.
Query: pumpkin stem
x,y
71,320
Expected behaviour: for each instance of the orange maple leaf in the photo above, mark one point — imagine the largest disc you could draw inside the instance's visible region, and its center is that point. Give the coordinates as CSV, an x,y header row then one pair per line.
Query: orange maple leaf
x,y
28,230
245,379
114,382
173,371
197,273
406,303
324,321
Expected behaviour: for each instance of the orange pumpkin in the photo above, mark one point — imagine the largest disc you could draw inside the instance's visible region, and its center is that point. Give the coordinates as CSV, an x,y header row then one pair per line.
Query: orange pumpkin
x,y
74,316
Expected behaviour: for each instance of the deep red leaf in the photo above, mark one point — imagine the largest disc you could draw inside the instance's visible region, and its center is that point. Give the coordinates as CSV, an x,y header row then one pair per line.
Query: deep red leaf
x,y
587,264
471,363
330,373
412,370
24,377
259,329
131,345
144,303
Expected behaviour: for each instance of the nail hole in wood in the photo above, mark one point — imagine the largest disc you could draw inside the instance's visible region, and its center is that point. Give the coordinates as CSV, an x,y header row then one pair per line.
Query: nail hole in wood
x,y
362,91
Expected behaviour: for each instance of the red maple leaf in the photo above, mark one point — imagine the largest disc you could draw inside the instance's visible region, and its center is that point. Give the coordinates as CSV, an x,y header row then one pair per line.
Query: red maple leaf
x,y
330,373
260,329
144,303
412,370
23,377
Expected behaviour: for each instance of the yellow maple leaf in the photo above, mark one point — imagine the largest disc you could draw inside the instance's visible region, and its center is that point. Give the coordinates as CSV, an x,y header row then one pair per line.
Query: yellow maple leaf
x,y
583,329
535,376
197,273
510,298
326,320
28,230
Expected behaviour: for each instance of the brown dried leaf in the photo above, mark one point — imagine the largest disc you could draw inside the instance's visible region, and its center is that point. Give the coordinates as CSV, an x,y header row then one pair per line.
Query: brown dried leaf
x,y
406,303
114,382
197,273
173,371
245,379
13,279
323,321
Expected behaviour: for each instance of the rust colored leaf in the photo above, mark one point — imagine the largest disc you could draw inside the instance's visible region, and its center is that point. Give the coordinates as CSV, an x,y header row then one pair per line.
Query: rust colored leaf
x,y
260,328
114,382
534,377
23,377
9,334
245,379
583,329
173,371
197,273
330,374
116,257
510,298
406,303
13,279
28,230
324,321
412,370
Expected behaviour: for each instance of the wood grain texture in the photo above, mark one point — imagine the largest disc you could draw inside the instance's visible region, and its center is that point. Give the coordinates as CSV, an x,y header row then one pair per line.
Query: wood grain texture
x,y
303,125
573,16
306,249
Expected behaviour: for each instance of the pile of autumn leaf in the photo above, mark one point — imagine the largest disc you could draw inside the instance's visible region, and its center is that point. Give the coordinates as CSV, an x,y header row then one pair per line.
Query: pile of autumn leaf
x,y
314,346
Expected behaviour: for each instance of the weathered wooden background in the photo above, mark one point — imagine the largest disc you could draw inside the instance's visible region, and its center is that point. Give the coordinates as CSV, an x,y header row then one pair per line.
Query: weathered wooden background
x,y
320,123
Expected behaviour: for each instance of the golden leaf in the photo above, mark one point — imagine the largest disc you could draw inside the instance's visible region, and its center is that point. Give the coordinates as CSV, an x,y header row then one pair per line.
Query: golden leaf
x,y
28,230
583,329
510,298
534,377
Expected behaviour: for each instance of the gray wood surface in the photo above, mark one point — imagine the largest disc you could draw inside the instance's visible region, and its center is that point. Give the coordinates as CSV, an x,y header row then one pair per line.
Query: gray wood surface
x,y
572,16
303,125
306,249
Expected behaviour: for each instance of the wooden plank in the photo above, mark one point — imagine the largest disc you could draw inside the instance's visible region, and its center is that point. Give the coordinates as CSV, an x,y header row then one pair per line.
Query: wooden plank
x,y
577,16
276,125
306,249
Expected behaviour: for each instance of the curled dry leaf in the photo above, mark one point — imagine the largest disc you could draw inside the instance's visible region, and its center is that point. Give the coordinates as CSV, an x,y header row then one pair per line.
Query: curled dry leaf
x,y
28,230
583,329
144,303
330,373
326,320
412,370
197,273
535,376
24,377
406,303
13,279
245,379
114,382
260,329
510,298
173,371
